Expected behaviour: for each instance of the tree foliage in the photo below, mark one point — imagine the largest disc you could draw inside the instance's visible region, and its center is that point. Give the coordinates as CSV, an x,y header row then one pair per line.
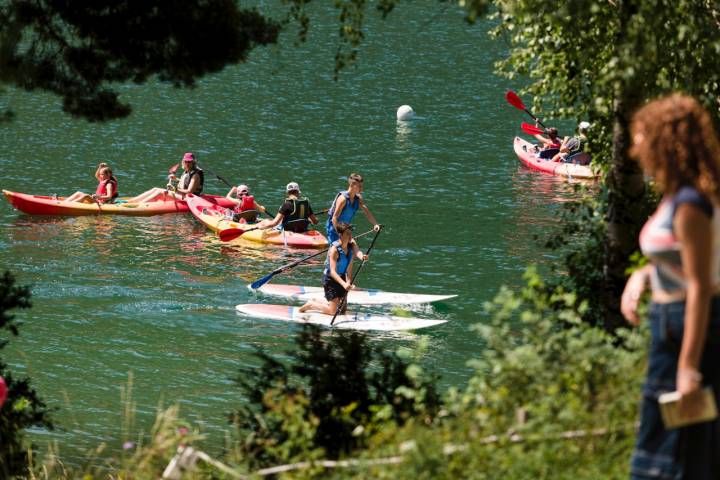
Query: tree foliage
x,y
78,49
22,408
600,60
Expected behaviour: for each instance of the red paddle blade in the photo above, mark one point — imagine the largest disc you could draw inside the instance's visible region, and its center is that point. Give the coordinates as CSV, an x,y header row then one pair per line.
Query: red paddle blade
x,y
514,100
230,234
174,168
531,129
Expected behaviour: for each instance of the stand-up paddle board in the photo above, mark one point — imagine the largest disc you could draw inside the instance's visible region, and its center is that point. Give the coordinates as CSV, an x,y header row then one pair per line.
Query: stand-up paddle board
x,y
356,296
351,321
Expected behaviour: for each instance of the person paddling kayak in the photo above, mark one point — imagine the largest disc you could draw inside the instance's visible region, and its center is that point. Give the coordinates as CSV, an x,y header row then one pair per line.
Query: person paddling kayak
x,y
295,214
345,205
191,181
338,264
107,189
550,143
246,206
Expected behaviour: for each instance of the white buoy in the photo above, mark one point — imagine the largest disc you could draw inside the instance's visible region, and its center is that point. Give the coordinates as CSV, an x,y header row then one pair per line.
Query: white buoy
x,y
405,112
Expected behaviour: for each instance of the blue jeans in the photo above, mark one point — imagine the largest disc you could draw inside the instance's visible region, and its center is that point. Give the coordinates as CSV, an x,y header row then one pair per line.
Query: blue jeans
x,y
691,452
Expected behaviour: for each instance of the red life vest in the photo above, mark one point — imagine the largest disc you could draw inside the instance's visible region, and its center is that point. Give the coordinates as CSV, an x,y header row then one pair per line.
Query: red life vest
x,y
101,189
247,203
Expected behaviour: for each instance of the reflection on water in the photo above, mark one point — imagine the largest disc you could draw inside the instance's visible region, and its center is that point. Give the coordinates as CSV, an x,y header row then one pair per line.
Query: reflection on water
x,y
403,130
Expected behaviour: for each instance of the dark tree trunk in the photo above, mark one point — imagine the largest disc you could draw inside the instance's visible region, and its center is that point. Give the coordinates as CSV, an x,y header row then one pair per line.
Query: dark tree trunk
x,y
626,189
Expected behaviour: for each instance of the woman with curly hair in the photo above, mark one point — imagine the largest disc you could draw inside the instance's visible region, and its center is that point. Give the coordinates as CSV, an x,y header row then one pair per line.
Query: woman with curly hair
x,y
674,140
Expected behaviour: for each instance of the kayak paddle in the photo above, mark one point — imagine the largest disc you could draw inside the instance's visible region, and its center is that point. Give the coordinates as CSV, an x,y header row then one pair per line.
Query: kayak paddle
x,y
343,300
233,233
532,129
513,99
262,281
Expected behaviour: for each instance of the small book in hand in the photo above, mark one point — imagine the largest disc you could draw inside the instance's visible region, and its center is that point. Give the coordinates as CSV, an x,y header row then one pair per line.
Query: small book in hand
x,y
672,418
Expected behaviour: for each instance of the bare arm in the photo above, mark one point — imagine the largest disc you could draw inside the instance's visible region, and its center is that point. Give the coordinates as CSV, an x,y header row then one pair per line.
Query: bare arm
x,y
694,230
370,216
232,197
634,288
271,223
358,253
259,207
543,139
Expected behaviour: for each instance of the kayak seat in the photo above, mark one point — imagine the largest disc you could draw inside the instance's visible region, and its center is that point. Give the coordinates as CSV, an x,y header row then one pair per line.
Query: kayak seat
x,y
548,153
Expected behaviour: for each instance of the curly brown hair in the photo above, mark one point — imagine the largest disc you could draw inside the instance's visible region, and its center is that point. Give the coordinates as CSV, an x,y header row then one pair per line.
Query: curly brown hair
x,y
674,140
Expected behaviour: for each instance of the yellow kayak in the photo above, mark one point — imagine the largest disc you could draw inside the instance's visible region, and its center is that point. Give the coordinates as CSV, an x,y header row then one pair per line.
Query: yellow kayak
x,y
218,219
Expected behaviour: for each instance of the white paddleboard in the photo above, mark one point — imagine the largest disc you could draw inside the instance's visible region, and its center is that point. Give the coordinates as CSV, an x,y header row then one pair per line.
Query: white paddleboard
x,y
356,296
350,321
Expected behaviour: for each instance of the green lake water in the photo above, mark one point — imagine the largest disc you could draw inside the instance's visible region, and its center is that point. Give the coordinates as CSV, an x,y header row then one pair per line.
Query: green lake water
x,y
155,296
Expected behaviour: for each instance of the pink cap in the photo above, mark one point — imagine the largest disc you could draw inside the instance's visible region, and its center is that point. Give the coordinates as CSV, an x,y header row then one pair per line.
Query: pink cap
x,y
188,157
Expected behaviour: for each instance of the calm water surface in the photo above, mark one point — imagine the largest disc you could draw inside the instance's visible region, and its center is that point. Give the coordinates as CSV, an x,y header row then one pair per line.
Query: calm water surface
x,y
155,296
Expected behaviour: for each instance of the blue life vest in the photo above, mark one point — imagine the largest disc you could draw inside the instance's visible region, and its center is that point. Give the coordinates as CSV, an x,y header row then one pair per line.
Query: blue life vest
x,y
348,211
343,260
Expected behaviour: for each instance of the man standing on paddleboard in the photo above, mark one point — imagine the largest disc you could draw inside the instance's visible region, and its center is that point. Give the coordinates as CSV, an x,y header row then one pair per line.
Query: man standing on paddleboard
x,y
345,205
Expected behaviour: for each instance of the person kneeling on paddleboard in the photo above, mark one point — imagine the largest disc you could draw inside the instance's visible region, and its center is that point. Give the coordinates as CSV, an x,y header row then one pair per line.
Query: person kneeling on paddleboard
x,y
295,214
345,205
246,206
107,189
335,275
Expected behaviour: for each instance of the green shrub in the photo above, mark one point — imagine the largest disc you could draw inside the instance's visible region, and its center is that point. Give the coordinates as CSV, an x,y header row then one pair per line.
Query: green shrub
x,y
23,408
323,402
552,397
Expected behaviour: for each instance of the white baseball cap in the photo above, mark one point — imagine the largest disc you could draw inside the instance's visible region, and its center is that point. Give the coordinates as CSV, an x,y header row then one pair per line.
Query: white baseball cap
x,y
243,189
292,186
583,125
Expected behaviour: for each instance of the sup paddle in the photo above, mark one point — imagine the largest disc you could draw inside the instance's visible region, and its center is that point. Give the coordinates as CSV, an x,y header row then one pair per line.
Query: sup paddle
x,y
513,99
343,300
262,281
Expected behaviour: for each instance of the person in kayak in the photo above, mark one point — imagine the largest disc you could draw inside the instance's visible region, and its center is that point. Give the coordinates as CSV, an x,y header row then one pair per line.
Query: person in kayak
x,y
191,181
550,144
572,149
246,206
338,264
345,205
295,214
106,191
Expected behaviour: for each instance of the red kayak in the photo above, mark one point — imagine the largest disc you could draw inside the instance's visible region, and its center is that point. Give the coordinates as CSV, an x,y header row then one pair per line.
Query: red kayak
x,y
46,205
527,155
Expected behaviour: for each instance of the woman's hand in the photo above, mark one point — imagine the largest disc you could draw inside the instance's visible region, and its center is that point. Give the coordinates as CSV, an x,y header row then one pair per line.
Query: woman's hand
x,y
688,383
349,286
631,295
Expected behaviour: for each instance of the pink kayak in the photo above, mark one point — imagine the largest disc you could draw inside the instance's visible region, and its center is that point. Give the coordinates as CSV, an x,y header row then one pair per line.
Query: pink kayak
x,y
527,155
46,205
